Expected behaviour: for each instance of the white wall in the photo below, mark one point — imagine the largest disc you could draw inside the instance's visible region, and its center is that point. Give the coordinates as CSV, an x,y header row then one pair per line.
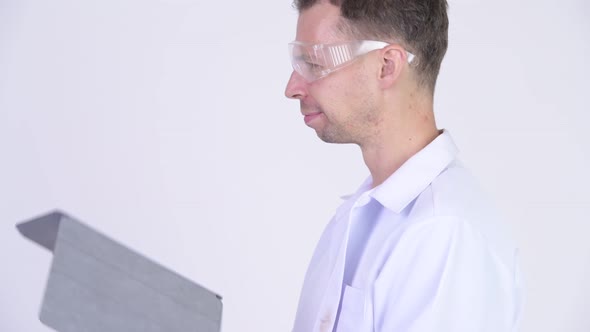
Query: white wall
x,y
163,125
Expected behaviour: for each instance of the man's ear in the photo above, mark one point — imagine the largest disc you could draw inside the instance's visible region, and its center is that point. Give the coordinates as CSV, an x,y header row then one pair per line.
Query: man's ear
x,y
392,61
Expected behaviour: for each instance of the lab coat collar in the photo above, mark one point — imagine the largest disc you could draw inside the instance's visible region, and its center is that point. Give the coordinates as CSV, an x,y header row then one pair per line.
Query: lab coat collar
x,y
405,184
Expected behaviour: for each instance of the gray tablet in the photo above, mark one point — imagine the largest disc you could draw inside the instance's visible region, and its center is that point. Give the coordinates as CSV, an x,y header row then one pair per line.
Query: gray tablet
x,y
97,284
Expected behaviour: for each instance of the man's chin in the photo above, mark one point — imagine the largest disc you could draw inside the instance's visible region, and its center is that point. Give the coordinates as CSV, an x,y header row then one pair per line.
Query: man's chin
x,y
331,138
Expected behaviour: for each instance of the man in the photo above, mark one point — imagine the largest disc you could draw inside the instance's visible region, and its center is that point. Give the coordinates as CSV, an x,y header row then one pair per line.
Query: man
x,y
416,248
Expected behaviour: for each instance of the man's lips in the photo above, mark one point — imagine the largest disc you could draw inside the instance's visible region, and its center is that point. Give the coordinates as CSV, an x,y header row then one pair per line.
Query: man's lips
x,y
308,117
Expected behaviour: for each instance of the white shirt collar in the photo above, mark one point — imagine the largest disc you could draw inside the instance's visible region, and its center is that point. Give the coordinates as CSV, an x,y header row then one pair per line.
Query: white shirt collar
x,y
405,184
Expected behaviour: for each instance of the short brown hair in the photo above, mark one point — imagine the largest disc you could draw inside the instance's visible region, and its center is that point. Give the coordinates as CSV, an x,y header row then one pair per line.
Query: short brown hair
x,y
421,26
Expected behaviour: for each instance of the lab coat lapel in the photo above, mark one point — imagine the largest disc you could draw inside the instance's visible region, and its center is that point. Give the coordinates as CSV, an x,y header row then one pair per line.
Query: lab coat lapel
x,y
328,310
322,288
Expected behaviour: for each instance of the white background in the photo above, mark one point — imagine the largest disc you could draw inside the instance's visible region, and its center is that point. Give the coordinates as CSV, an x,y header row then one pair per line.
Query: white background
x,y
163,124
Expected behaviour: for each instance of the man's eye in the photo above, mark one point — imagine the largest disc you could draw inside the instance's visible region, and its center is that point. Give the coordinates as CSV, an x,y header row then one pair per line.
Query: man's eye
x,y
314,66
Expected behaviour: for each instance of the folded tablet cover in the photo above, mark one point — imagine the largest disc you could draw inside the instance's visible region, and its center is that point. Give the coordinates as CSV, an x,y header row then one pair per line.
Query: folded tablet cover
x,y
97,284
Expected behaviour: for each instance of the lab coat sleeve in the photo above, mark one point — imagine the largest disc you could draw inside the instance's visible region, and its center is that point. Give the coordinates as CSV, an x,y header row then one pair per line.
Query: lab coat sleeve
x,y
444,276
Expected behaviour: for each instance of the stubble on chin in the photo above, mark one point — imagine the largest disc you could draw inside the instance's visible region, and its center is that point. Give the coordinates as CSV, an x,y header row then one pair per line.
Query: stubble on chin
x,y
325,133
334,133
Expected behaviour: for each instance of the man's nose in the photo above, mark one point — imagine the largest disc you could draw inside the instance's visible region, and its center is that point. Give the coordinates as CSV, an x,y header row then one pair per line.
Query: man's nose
x,y
296,87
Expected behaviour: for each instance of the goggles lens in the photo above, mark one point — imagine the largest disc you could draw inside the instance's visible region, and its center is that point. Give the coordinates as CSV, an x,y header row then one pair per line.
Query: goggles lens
x,y
314,61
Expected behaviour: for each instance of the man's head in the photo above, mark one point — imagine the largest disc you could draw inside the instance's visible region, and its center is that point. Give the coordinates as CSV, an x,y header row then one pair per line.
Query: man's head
x,y
352,102
421,26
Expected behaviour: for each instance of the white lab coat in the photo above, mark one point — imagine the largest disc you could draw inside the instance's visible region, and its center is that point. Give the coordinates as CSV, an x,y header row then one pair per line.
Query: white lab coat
x,y
422,252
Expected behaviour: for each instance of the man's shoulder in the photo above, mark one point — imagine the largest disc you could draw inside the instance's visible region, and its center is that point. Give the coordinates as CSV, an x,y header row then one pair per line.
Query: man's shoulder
x,y
456,194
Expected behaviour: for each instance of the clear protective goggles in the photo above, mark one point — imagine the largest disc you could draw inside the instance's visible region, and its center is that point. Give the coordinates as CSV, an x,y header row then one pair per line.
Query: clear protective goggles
x,y
314,61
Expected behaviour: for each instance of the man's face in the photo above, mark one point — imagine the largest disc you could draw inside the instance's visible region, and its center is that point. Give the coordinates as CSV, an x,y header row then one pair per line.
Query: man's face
x,y
340,107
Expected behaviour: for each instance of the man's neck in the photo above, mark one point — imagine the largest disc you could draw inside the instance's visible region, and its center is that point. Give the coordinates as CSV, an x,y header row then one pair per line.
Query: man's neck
x,y
394,145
